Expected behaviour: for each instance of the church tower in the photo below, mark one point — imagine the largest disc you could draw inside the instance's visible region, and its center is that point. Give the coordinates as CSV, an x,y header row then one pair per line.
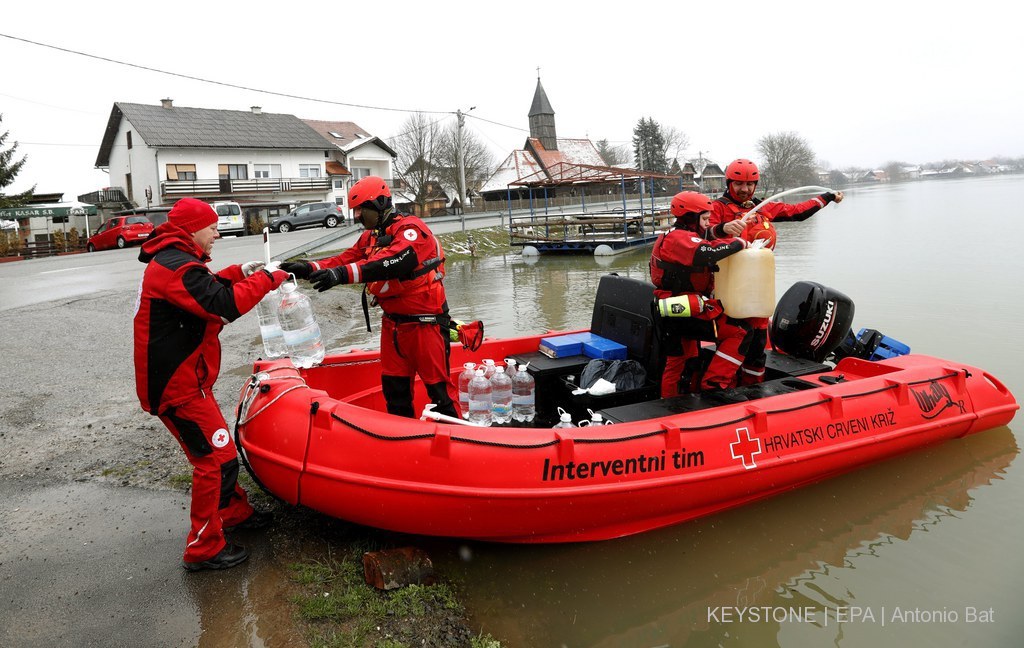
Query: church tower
x,y
542,119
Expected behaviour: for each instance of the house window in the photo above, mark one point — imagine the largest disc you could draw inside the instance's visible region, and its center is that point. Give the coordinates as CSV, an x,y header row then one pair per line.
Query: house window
x,y
181,172
339,183
309,170
358,173
233,171
267,170
129,134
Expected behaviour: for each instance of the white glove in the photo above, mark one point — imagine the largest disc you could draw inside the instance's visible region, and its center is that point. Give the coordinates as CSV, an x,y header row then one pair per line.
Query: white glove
x,y
250,267
273,266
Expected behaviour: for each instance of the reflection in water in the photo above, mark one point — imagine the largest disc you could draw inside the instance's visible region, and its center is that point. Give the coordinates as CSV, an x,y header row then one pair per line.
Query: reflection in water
x,y
657,588
244,606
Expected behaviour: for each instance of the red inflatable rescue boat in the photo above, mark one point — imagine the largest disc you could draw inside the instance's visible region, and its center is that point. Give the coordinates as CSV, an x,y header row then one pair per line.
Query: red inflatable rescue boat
x,y
321,438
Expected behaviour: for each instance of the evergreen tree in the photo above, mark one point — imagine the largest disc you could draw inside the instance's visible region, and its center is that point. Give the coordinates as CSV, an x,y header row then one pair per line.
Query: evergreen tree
x,y
649,146
9,171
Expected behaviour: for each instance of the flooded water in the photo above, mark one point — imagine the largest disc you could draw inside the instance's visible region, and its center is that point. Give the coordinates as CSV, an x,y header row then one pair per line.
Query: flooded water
x,y
923,548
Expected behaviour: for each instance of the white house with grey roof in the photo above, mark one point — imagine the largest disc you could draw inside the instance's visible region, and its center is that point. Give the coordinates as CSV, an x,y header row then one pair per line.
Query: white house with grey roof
x,y
159,154
359,154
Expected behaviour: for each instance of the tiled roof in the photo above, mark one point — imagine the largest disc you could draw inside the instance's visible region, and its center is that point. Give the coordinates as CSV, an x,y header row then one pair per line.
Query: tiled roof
x,y
183,127
523,163
336,168
352,136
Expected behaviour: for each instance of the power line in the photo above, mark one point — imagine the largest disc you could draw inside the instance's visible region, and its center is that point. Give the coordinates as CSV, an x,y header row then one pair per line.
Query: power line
x,y
220,83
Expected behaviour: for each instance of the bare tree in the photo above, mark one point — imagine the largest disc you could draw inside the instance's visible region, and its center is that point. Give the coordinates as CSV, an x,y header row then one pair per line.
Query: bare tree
x,y
479,161
417,147
613,155
676,141
787,161
837,179
894,171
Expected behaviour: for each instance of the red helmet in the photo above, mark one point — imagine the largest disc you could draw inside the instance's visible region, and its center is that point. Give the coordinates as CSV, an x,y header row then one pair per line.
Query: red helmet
x,y
371,191
689,202
742,170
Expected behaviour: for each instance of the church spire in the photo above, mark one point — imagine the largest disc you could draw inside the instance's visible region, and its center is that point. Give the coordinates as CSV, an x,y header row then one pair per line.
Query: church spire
x,y
542,118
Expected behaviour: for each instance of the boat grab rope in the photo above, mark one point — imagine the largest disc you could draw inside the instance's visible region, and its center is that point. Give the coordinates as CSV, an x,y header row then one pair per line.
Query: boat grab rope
x,y
641,435
253,388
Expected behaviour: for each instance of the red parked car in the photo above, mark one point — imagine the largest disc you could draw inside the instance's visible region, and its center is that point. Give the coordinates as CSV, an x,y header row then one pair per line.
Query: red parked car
x,y
120,231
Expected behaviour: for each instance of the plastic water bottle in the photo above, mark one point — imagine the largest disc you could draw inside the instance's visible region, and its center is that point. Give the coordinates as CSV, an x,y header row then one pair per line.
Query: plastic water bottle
x,y
510,366
564,419
524,389
595,418
488,368
480,399
501,396
464,378
301,332
270,326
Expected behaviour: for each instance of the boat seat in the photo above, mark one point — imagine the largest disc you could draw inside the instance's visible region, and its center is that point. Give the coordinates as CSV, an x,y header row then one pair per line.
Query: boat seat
x,y
624,311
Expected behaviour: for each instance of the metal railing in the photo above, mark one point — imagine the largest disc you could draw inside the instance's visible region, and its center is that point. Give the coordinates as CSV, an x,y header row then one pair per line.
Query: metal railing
x,y
250,186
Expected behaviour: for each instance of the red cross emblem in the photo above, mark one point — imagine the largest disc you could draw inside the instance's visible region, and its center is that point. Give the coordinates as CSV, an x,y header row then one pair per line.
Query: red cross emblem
x,y
220,438
745,449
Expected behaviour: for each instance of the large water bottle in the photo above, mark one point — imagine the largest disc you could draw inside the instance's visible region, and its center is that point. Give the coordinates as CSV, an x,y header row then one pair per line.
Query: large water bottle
x,y
464,378
501,396
301,332
480,399
524,389
488,368
564,419
270,326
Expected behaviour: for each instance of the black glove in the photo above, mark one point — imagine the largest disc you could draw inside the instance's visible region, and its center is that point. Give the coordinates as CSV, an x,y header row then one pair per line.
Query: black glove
x,y
326,279
828,197
301,269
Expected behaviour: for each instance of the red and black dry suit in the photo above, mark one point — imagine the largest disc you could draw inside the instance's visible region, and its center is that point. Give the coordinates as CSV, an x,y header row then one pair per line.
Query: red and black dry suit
x,y
402,266
740,356
181,308
684,263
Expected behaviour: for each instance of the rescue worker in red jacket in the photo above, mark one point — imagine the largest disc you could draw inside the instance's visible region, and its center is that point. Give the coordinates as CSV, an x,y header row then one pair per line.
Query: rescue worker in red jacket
x,y
740,357
402,265
682,266
181,309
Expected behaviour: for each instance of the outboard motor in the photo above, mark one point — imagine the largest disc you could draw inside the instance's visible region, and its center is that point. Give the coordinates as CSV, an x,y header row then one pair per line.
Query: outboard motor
x,y
811,321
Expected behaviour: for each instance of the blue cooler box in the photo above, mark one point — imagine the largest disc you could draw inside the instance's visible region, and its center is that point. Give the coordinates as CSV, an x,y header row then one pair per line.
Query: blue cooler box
x,y
604,349
561,346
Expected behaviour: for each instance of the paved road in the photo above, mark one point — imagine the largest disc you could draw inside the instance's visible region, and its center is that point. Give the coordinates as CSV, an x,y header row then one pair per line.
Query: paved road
x,y
35,281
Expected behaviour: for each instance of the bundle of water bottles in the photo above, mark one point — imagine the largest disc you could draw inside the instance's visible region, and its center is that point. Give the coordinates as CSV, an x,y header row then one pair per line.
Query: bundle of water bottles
x,y
490,393
288,326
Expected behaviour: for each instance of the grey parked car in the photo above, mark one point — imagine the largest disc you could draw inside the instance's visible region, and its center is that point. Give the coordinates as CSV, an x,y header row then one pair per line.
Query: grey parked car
x,y
327,214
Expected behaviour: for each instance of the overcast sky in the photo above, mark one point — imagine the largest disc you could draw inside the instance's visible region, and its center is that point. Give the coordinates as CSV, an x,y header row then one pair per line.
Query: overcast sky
x,y
863,83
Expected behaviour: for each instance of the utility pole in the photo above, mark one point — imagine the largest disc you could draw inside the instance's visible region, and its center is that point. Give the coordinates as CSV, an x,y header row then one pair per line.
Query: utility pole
x,y
462,168
462,177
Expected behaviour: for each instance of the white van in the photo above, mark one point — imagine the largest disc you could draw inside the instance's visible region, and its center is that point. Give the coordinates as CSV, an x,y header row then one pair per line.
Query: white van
x,y
229,218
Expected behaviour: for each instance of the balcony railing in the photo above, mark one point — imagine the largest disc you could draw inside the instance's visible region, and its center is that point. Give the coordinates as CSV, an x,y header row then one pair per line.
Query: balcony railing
x,y
103,196
253,186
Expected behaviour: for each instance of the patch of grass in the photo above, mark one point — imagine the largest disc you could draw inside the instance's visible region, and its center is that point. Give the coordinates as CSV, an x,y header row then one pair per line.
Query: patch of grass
x,y
342,611
488,241
180,481
119,471
484,641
